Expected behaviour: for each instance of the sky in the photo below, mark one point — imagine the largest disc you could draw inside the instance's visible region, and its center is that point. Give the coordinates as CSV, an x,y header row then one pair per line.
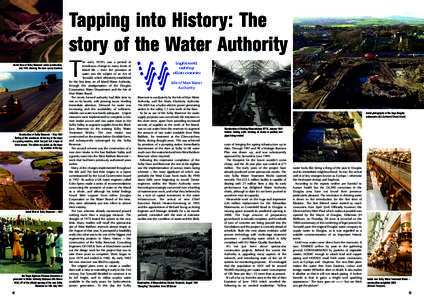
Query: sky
x,y
358,8
171,228
19,80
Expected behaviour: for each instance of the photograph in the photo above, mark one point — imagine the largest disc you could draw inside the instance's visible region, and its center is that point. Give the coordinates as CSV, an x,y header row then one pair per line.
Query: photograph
x,y
388,179
327,136
174,251
31,243
389,244
358,62
251,93
31,181
31,102
31,31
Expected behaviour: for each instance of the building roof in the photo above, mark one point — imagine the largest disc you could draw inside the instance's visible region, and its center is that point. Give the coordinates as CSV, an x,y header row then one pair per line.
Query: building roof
x,y
252,69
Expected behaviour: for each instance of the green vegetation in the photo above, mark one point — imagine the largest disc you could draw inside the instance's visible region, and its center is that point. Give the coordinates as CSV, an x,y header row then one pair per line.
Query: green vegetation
x,y
342,26
38,51
9,158
4,27
35,154
3,171
48,163
35,226
309,50
359,21
56,54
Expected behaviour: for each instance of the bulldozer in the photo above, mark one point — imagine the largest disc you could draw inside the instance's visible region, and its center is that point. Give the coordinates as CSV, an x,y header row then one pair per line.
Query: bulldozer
x,y
11,109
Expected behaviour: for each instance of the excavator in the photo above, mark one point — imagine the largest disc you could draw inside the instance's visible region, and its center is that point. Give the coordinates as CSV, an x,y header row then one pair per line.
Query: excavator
x,y
391,88
375,79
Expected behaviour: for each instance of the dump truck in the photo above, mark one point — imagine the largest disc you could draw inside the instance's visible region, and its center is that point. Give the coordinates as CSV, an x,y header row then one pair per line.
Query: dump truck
x,y
51,78
11,109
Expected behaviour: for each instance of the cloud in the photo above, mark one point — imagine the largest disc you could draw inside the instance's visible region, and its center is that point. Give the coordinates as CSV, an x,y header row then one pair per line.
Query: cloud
x,y
5,76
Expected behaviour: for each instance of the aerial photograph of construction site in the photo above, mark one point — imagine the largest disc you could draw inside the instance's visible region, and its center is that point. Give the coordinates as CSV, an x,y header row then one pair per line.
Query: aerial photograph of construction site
x,y
389,244
31,102
31,181
327,136
31,31
389,179
251,93
358,63
174,251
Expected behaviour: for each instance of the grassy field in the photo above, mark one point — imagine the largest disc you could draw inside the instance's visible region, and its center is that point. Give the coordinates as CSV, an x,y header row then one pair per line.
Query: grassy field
x,y
35,154
9,158
57,51
44,163
172,261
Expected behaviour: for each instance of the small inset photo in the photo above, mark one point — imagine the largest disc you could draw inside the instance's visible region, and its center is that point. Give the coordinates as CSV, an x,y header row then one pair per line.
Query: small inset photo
x,y
31,181
327,136
389,244
251,93
31,243
31,102
389,179
356,62
174,251
31,31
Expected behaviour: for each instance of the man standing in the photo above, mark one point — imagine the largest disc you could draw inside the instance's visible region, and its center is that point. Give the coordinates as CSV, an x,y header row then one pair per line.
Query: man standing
x,y
3,243
34,245
26,240
42,246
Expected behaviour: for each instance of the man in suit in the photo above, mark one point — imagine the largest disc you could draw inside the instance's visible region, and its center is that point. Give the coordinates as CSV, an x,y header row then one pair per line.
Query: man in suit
x,y
26,240
42,246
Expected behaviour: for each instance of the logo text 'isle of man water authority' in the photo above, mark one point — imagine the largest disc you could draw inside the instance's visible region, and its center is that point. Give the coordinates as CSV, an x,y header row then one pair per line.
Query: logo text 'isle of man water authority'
x,y
150,75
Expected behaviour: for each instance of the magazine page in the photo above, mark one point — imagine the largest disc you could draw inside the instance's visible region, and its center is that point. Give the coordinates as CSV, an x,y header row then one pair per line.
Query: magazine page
x,y
256,149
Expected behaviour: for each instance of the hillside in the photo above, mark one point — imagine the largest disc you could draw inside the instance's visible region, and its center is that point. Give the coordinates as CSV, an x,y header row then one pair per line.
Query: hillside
x,y
359,21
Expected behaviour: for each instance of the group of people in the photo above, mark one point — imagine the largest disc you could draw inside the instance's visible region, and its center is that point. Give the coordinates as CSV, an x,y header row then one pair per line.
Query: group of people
x,y
28,244
20,221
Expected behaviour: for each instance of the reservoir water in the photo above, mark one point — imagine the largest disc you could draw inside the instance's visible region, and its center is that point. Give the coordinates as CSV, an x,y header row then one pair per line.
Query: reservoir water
x,y
23,170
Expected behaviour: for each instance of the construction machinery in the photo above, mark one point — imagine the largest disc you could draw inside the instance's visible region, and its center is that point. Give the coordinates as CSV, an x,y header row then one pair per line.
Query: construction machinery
x,y
51,78
11,109
375,78
384,85
371,57
42,86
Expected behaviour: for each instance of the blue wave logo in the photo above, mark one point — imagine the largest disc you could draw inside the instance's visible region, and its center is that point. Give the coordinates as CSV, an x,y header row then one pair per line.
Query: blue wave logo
x,y
151,74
